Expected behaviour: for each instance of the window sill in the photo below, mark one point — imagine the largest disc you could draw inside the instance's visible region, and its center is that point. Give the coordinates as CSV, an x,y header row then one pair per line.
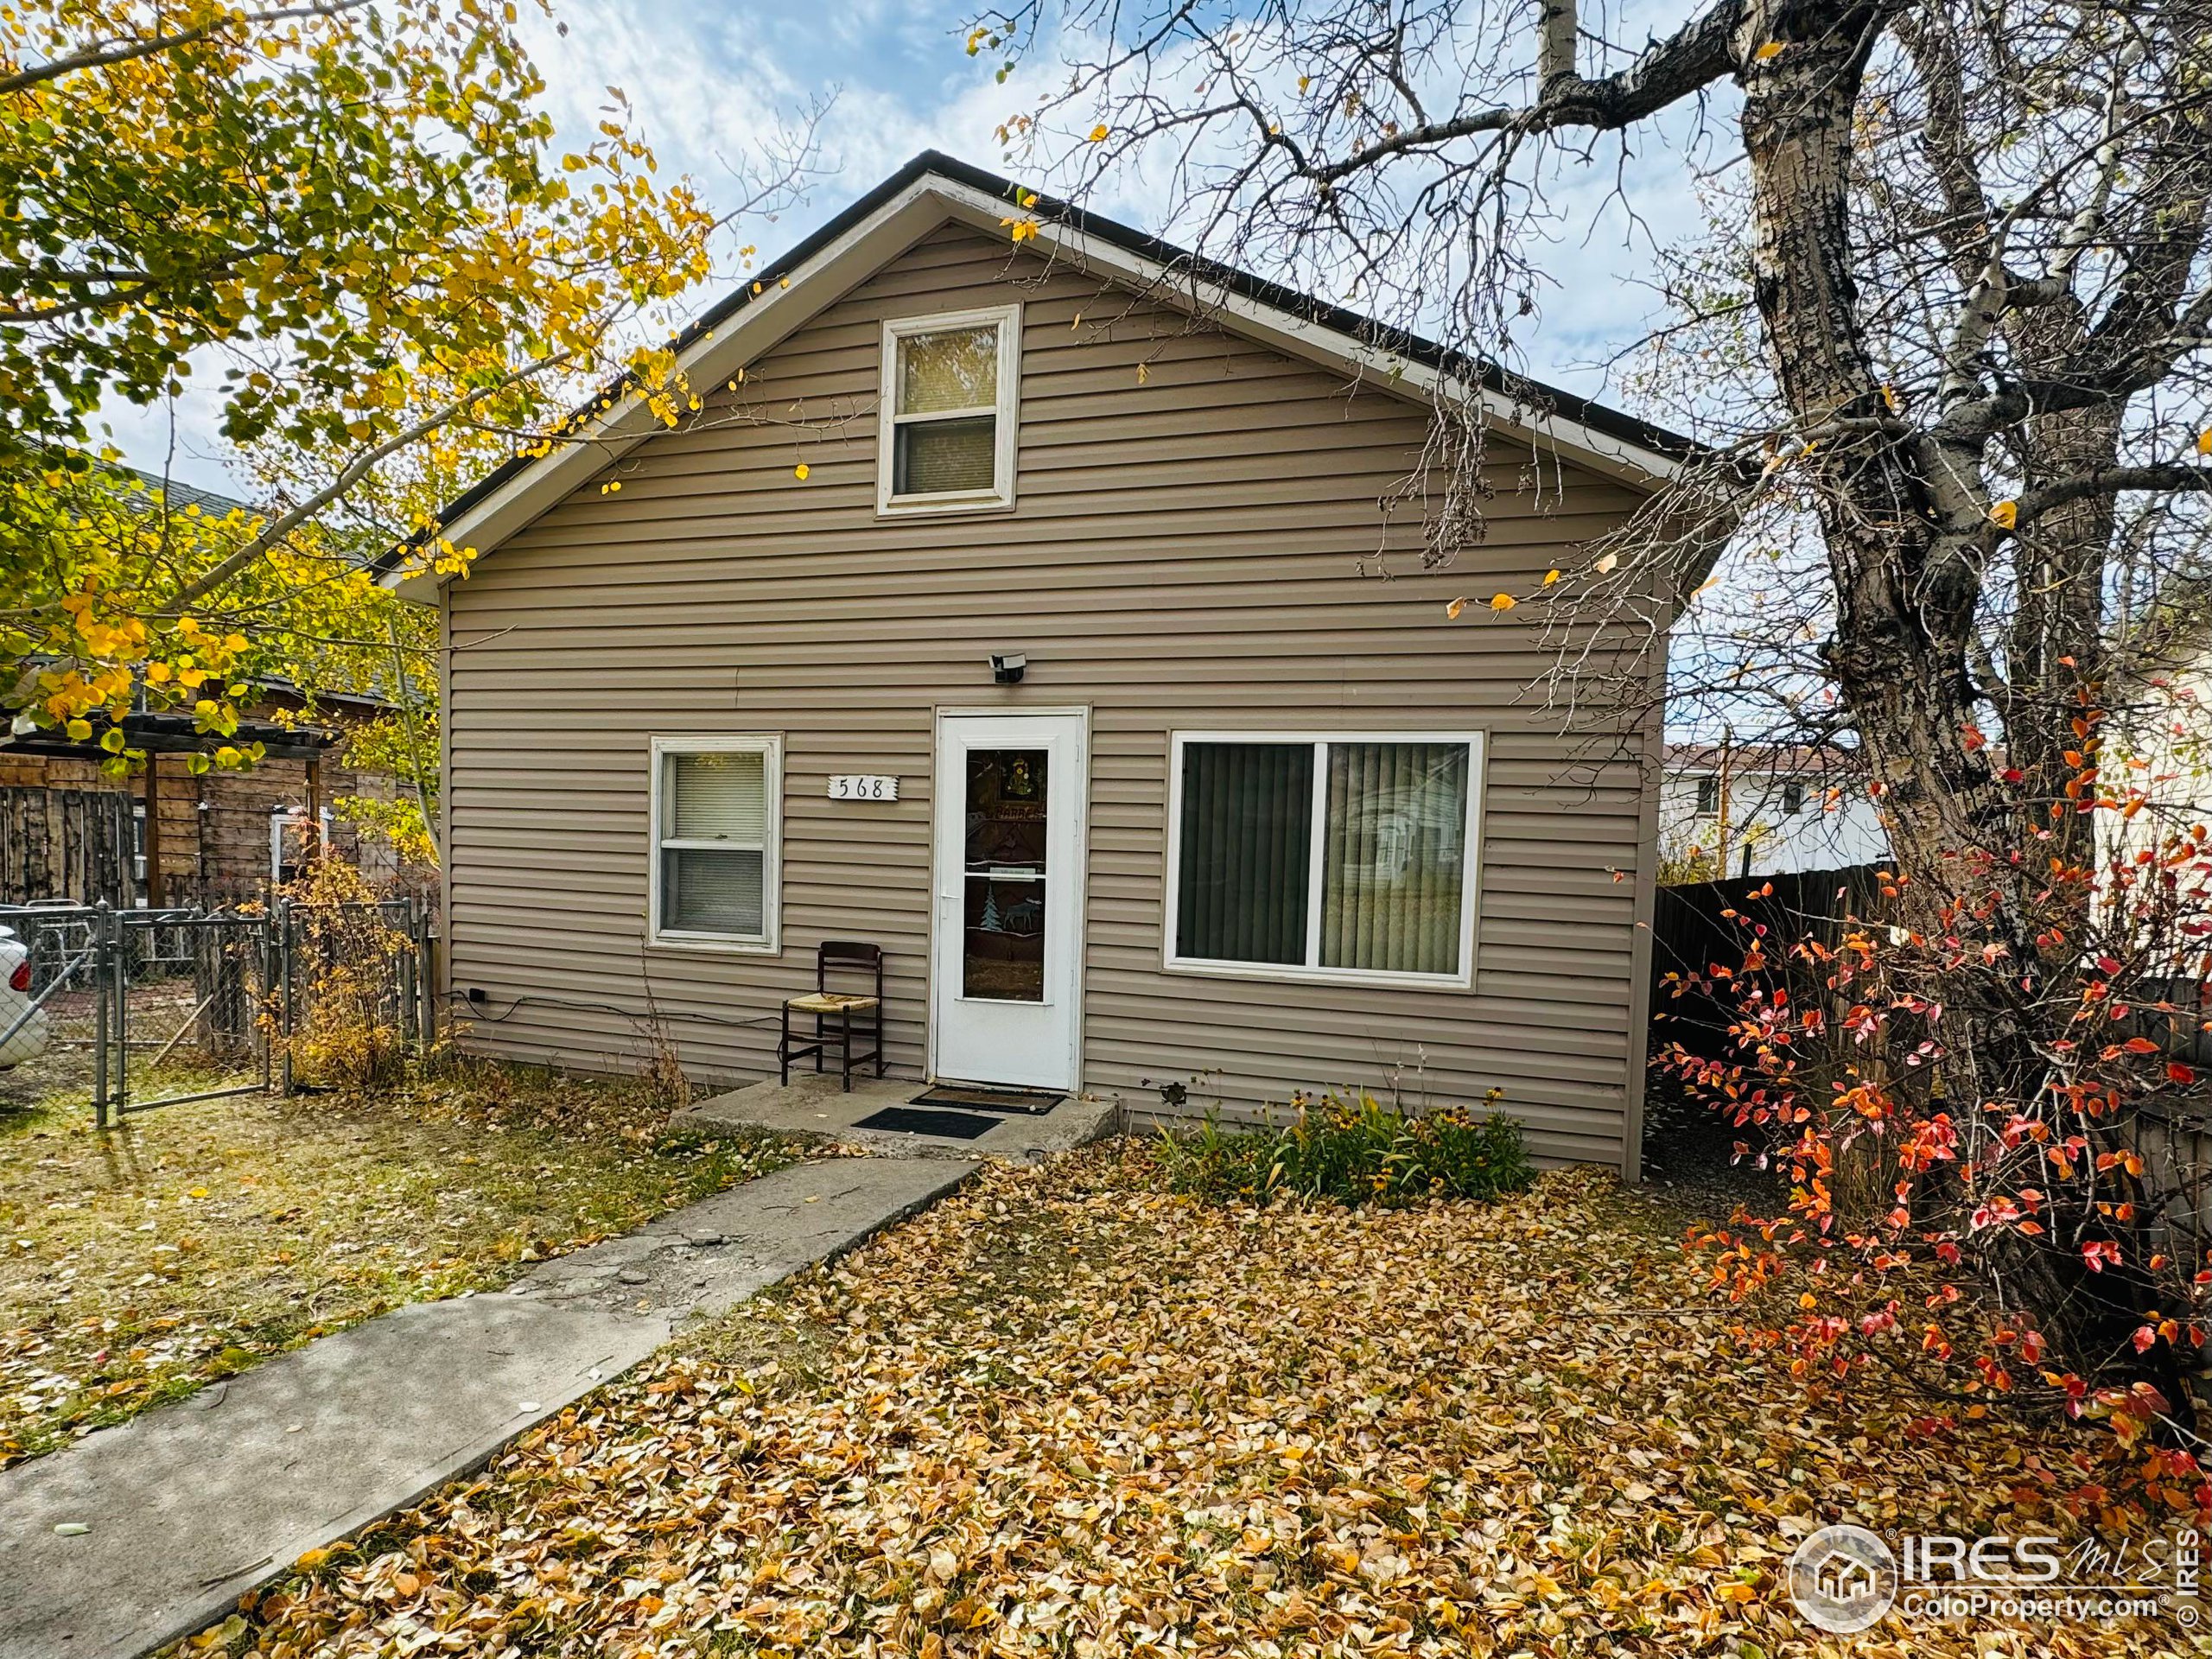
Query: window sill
x,y
926,507
1281,974
713,944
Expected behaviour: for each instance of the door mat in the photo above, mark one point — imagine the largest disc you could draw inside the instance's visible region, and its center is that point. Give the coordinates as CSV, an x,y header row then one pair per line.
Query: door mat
x,y
958,1125
1033,1101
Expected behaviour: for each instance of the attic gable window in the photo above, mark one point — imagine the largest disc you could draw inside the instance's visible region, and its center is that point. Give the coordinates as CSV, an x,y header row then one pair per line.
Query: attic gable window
x,y
951,390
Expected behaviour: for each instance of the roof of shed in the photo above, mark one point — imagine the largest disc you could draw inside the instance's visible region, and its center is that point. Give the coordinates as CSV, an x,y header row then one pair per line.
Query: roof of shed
x,y
166,732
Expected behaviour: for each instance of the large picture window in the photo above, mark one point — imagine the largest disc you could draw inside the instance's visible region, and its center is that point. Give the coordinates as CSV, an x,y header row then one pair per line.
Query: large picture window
x,y
717,807
1338,857
950,410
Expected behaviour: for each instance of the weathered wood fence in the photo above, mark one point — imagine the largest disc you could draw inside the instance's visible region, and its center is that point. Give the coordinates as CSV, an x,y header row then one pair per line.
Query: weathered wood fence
x,y
1697,926
67,843
1694,930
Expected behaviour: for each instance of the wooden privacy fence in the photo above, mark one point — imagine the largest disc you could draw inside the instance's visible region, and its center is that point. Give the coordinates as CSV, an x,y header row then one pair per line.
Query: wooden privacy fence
x,y
1692,930
67,843
2176,1156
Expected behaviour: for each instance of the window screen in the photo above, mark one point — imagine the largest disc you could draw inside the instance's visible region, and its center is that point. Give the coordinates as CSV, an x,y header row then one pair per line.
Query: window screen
x,y
714,836
1393,856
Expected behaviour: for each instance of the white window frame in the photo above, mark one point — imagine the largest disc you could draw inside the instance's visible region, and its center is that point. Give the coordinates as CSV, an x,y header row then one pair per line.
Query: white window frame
x,y
1006,409
770,747
1310,971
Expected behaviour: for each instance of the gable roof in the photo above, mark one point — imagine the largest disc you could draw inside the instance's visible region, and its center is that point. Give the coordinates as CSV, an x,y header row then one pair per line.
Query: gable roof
x,y
176,493
933,189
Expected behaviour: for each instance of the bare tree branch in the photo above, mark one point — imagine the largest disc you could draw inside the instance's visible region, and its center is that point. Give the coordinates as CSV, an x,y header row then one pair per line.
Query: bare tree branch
x,y
2111,480
352,474
103,56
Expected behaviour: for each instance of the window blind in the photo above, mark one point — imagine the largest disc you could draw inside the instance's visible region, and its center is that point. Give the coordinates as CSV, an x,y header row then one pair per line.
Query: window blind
x,y
1389,873
716,796
1248,826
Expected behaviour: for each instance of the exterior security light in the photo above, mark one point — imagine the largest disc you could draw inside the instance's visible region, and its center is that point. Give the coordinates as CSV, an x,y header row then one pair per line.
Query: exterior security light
x,y
1007,669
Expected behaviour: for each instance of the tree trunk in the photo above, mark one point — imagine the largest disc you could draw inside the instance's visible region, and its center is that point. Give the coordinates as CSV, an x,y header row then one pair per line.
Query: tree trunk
x,y
2055,665
1905,546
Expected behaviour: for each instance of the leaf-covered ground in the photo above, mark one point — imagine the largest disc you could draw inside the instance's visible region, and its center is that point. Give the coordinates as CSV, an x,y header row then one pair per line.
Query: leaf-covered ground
x,y
1063,1414
141,1264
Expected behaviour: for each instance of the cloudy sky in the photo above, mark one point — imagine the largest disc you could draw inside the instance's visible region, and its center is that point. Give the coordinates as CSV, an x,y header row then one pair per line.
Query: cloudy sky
x,y
706,78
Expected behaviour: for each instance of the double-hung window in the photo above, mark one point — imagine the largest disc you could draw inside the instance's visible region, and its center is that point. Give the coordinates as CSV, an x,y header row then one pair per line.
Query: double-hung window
x,y
1339,857
716,806
949,411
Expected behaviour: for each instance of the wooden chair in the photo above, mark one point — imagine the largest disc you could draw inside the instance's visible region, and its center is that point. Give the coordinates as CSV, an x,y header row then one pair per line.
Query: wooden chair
x,y
826,1004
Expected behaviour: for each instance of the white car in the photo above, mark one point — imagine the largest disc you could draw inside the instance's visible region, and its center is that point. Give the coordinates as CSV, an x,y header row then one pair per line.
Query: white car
x,y
23,1023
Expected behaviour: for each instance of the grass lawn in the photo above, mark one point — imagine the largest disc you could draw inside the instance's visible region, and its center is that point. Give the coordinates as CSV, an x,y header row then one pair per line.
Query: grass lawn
x,y
139,1265
1064,1414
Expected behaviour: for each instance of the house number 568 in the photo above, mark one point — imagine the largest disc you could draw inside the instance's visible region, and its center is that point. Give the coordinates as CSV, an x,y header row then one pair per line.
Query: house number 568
x,y
863,788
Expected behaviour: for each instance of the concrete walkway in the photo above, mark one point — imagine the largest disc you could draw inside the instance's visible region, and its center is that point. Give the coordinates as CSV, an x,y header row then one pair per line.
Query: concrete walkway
x,y
188,1507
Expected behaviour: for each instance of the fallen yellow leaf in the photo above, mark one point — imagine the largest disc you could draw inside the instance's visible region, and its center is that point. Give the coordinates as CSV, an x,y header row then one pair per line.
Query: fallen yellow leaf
x,y
799,472
2005,514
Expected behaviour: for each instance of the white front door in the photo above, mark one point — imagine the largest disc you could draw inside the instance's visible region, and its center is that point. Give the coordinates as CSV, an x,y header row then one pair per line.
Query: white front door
x,y
1007,984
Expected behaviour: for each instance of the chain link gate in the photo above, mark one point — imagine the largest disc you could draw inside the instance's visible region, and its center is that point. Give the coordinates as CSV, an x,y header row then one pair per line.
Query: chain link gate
x,y
230,988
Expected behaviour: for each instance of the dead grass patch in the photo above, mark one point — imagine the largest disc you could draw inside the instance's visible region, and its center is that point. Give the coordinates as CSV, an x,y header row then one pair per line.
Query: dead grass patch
x,y
139,1265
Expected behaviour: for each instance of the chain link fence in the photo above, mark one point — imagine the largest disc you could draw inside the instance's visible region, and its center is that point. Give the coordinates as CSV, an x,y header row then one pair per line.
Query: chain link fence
x,y
162,1007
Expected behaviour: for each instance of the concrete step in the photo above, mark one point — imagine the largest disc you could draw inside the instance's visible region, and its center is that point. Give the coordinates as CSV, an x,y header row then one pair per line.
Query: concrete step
x,y
816,1105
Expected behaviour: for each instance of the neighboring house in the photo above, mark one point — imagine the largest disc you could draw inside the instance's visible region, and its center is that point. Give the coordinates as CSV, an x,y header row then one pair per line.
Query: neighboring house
x,y
71,831
1764,809
1003,607
2159,744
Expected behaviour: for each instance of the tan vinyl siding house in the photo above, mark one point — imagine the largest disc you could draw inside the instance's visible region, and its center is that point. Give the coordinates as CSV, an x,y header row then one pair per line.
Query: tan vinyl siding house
x,y
1189,560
